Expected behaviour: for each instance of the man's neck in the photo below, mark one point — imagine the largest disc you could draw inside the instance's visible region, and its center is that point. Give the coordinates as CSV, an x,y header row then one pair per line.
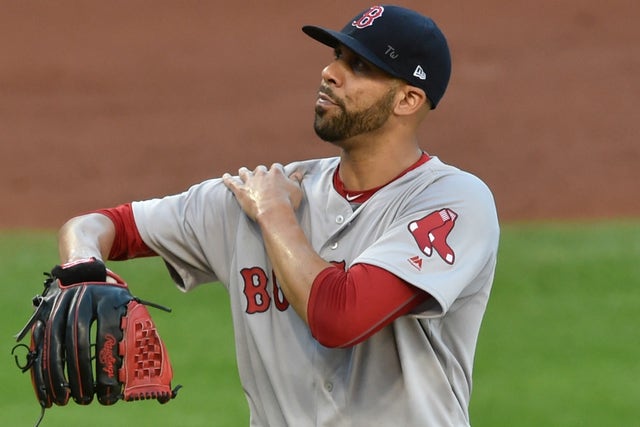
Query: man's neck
x,y
368,168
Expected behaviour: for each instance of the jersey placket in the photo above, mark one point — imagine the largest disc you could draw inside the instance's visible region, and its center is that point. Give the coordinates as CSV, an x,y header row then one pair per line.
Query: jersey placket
x,y
329,384
338,215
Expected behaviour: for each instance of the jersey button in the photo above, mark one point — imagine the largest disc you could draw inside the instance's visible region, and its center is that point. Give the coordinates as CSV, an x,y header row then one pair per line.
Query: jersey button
x,y
339,219
334,245
328,386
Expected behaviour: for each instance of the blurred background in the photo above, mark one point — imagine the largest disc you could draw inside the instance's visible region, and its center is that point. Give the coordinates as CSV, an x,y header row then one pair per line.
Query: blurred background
x,y
107,102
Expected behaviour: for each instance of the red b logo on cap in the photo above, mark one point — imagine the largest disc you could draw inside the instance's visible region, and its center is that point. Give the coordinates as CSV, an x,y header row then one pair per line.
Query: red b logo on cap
x,y
368,17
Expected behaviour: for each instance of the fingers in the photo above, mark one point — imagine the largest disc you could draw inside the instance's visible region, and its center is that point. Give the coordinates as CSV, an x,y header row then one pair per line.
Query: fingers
x,y
275,167
108,336
39,374
245,174
78,344
54,357
297,176
231,182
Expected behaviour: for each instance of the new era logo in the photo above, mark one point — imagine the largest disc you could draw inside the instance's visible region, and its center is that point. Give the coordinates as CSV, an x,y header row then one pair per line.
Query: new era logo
x,y
419,73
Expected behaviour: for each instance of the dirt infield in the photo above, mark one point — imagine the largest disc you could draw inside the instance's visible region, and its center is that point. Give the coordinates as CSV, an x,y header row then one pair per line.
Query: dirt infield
x,y
106,102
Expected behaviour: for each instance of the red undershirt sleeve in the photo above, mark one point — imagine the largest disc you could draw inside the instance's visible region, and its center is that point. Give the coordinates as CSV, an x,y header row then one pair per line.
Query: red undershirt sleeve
x,y
127,243
347,307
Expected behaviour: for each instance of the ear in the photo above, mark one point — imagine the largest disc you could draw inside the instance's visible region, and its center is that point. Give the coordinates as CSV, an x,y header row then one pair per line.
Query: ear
x,y
411,100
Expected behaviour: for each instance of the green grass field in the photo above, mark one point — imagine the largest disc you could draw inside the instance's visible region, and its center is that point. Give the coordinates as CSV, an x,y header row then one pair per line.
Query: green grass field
x,y
560,344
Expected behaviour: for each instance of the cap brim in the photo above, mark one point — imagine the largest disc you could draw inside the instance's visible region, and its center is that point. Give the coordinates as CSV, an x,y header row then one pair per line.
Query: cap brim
x,y
333,38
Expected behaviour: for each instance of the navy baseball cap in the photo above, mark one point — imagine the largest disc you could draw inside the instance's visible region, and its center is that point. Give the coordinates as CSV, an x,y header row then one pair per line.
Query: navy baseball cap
x,y
401,42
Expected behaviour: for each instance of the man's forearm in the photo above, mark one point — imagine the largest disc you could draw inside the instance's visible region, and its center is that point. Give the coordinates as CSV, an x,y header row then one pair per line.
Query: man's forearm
x,y
295,262
85,236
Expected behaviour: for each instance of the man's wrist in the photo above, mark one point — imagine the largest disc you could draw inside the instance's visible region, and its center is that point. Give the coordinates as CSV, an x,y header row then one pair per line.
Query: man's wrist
x,y
276,213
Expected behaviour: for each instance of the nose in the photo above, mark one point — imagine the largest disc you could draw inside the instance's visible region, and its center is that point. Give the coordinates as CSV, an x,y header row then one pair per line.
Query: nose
x,y
332,74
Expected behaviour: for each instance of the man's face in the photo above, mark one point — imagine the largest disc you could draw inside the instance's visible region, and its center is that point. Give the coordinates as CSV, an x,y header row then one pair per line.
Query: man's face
x,y
355,98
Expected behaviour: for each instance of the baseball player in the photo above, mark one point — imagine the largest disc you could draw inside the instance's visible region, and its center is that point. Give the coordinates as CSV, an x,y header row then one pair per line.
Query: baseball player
x,y
357,283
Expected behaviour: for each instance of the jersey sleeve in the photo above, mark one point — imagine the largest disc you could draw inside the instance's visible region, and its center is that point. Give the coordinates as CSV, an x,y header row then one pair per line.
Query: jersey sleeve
x,y
127,243
444,243
192,232
347,307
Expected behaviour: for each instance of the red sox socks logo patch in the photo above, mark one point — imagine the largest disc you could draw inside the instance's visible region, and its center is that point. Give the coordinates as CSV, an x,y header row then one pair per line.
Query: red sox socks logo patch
x,y
431,234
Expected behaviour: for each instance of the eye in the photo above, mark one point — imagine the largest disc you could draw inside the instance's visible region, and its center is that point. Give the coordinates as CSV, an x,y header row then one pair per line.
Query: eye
x,y
358,64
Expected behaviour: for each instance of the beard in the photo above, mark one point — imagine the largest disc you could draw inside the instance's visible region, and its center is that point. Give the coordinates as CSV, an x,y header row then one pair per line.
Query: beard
x,y
347,124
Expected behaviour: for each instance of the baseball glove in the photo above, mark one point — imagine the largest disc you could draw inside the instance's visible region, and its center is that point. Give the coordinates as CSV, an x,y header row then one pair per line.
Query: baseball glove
x,y
131,361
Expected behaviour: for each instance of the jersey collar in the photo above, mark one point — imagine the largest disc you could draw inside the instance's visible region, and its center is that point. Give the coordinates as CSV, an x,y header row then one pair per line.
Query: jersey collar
x,y
358,197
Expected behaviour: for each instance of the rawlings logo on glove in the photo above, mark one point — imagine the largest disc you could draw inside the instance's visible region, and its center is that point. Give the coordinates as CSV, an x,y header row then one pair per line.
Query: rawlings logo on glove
x,y
131,361
106,357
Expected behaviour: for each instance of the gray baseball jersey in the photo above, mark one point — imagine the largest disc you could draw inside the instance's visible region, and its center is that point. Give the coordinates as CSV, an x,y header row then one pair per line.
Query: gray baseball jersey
x,y
435,227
